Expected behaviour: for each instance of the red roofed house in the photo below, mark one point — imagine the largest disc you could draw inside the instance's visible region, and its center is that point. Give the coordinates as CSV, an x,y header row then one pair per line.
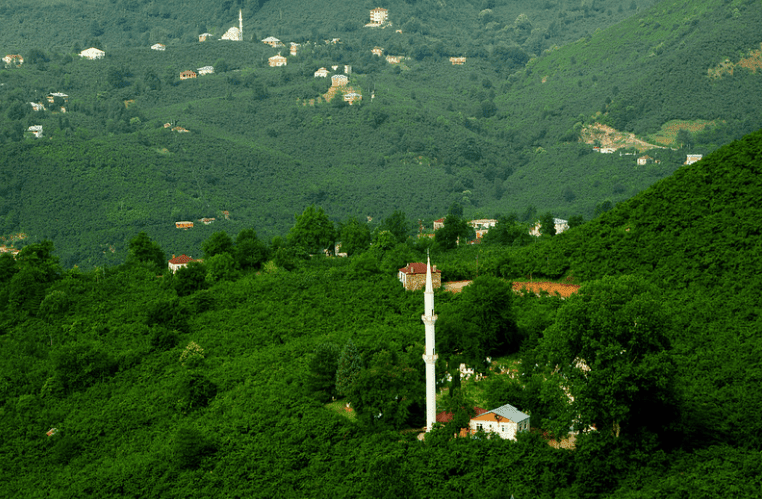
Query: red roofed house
x,y
13,60
185,75
438,224
413,276
180,261
184,225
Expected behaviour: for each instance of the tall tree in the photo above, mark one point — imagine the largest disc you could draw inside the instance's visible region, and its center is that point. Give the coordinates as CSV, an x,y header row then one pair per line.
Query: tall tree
x,y
250,252
355,236
547,224
143,250
349,368
323,367
397,224
480,322
218,243
313,230
455,229
609,347
385,392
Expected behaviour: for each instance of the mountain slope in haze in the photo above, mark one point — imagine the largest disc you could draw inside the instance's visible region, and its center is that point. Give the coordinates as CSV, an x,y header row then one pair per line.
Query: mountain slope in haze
x,y
655,67
489,135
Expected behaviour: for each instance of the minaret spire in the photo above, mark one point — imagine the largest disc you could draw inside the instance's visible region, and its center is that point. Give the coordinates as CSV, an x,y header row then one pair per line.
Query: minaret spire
x,y
429,357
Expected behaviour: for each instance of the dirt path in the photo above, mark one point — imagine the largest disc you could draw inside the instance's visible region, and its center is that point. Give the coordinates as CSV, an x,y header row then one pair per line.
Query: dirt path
x,y
552,288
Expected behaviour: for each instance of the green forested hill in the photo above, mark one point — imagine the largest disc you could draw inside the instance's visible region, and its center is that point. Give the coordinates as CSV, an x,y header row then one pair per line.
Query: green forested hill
x,y
693,235
497,135
214,381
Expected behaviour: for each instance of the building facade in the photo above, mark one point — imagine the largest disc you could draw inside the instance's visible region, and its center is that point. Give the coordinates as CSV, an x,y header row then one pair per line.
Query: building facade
x,y
379,15
413,276
277,61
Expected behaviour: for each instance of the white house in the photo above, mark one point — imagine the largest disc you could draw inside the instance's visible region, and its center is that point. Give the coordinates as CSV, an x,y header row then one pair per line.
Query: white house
x,y
277,61
321,73
505,421
692,158
92,53
561,226
36,130
52,97
272,41
37,107
339,80
206,70
378,16
158,46
203,36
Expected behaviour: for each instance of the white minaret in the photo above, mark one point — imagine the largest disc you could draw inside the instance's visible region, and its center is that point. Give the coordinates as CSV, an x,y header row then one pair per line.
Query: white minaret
x,y
429,357
240,24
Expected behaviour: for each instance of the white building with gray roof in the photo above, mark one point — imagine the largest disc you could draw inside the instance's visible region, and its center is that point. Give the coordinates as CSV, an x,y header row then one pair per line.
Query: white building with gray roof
x,y
506,422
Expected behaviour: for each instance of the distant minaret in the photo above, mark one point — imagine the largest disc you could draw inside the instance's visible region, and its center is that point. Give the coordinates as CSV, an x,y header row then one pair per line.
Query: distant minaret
x,y
429,357
240,24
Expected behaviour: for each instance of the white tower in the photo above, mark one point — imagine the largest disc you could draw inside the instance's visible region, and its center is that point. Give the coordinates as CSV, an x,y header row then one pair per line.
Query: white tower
x,y
240,24
429,357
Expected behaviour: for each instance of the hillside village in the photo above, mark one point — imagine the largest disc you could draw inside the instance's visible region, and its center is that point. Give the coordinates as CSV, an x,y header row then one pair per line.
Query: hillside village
x,y
226,268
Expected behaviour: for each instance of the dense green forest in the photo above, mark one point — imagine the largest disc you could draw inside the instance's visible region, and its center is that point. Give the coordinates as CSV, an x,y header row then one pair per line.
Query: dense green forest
x,y
497,135
218,380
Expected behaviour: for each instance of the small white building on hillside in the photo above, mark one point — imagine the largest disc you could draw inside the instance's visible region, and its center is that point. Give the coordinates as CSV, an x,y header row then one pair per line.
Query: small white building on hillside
x,y
339,80
693,158
561,226
272,41
506,422
178,262
92,53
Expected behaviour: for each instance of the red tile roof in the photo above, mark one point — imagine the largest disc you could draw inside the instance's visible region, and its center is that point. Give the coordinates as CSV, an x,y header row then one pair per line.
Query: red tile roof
x,y
181,259
446,416
418,268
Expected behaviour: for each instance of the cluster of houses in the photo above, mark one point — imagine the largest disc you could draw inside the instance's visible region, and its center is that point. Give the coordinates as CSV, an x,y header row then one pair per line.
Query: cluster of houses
x,y
483,225
91,53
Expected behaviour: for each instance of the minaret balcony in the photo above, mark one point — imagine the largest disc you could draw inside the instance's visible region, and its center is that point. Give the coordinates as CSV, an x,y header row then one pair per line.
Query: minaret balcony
x,y
429,320
430,359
